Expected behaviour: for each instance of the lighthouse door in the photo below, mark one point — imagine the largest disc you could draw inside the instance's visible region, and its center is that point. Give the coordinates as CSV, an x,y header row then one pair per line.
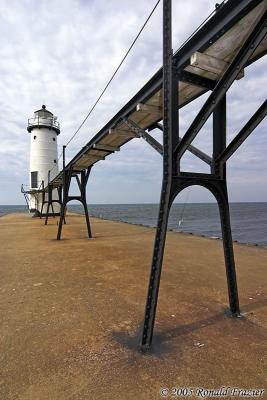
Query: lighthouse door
x,y
34,179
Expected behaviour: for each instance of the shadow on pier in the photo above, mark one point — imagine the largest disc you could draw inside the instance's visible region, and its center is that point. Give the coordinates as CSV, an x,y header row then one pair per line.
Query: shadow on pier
x,y
162,341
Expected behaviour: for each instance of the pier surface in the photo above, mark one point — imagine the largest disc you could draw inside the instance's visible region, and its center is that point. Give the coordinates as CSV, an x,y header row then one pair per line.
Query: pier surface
x,y
72,312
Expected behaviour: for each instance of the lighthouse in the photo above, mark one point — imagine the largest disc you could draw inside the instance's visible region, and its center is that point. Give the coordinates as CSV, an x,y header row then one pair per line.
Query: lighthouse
x,y
44,129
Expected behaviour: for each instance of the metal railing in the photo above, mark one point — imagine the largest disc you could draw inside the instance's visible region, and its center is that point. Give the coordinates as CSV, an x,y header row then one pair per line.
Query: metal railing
x,y
41,121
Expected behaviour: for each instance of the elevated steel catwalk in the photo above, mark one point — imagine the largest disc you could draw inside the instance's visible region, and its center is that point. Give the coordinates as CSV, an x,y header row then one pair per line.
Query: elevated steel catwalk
x,y
201,62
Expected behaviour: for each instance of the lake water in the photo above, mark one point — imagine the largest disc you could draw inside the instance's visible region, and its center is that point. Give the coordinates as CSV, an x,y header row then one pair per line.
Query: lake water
x,y
249,220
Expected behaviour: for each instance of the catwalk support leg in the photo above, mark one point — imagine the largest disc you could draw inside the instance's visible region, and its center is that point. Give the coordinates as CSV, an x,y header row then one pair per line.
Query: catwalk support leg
x,y
228,251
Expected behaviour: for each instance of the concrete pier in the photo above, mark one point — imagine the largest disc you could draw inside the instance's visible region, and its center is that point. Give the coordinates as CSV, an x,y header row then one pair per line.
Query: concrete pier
x,y
72,312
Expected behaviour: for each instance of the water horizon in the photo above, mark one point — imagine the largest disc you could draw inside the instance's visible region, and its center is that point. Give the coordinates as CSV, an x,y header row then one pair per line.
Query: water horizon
x,y
248,219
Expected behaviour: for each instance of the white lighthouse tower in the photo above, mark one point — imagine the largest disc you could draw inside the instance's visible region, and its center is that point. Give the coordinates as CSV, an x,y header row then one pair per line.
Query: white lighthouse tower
x,y
44,130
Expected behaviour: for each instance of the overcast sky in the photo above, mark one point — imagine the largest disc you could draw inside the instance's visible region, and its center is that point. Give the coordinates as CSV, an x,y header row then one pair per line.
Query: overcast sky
x,y
62,54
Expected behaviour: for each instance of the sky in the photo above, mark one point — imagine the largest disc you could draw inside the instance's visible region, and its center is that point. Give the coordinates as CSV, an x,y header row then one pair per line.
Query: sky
x,y
63,53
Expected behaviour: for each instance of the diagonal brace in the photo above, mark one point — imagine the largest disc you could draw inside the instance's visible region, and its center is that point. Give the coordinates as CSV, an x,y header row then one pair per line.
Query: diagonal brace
x,y
194,150
78,181
143,134
254,121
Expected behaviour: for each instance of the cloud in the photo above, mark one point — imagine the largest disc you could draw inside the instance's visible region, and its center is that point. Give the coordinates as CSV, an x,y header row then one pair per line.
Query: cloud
x,y
63,53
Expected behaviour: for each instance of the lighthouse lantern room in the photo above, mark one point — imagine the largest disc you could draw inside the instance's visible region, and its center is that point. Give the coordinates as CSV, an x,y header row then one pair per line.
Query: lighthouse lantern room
x,y
44,129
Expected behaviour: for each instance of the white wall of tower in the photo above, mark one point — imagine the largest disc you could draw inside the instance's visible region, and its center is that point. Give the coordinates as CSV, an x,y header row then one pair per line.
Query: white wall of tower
x,y
43,156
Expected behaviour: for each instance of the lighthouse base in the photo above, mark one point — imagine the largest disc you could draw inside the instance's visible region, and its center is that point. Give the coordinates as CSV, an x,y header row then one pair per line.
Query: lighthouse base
x,y
41,202
36,213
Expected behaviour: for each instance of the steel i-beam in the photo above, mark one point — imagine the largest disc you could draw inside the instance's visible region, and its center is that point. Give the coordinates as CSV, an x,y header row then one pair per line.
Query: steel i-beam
x,y
170,137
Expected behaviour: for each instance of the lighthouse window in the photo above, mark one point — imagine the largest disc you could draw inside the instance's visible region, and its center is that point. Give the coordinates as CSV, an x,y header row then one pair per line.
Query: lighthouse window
x,y
54,139
34,179
55,161
35,137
